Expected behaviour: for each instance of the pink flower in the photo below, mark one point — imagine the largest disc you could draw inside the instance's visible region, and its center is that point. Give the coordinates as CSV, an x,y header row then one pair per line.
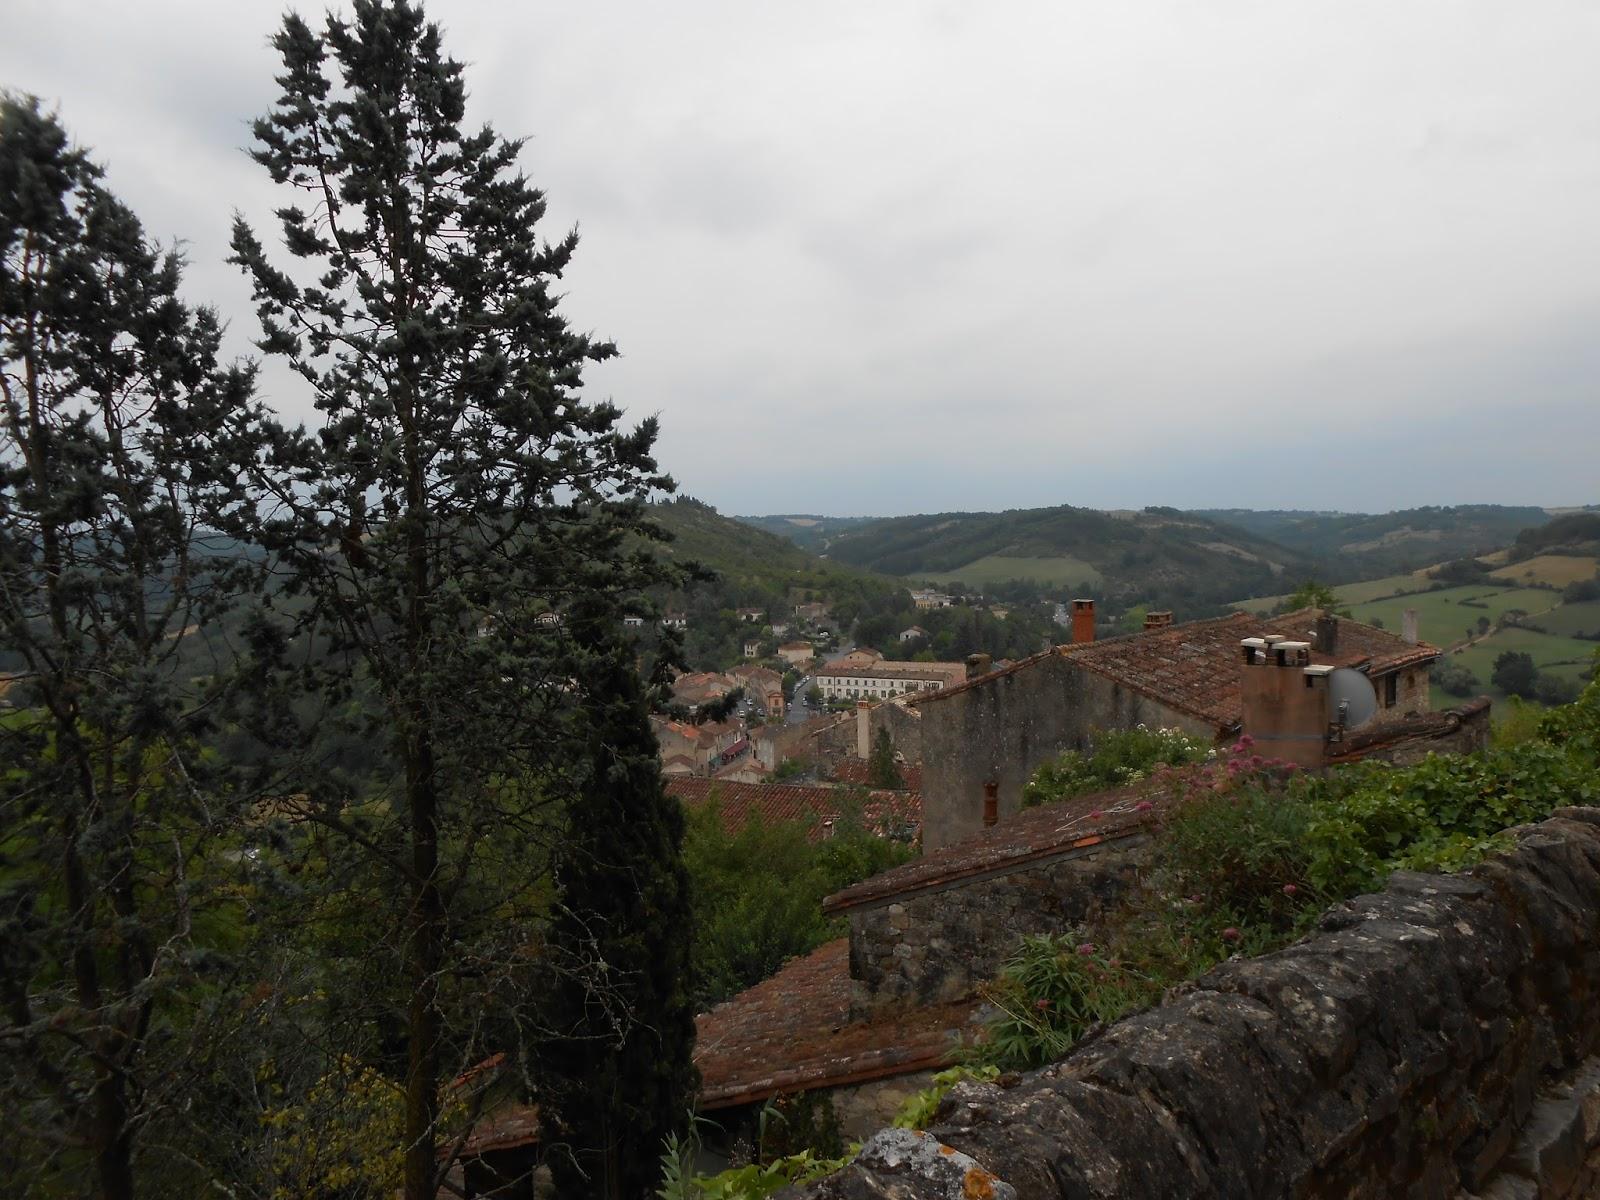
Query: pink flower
x,y
1237,748
1230,934
1256,760
1196,898
1246,741
1289,889
1143,806
1086,949
1095,814
1041,1005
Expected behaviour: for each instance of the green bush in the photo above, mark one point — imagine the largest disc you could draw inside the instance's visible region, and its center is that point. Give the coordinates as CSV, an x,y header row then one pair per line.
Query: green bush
x,y
757,894
1114,759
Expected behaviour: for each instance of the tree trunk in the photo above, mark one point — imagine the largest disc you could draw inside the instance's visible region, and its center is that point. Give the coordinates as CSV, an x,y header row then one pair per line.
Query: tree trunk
x,y
423,952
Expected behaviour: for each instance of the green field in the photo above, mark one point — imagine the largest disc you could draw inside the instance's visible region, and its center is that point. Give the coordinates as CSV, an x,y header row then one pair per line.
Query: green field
x,y
1562,655
1557,570
1443,619
998,568
1571,619
1349,593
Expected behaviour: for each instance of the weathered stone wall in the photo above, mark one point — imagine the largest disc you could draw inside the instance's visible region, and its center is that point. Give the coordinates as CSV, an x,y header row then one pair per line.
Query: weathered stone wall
x,y
1002,727
1433,1040
935,946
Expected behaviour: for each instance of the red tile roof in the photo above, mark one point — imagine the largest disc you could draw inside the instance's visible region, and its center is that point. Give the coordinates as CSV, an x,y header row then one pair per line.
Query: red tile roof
x,y
794,1033
1049,831
1195,669
853,771
777,802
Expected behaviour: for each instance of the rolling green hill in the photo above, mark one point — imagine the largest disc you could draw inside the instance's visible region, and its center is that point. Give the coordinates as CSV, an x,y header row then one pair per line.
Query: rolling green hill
x,y
808,531
1159,555
1350,546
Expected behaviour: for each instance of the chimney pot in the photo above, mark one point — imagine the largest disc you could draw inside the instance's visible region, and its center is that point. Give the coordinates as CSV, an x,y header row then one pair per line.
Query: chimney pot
x,y
991,804
978,664
1082,621
863,730
1157,620
1408,627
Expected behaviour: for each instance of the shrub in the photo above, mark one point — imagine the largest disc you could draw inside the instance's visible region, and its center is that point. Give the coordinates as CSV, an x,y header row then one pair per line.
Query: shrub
x,y
1114,758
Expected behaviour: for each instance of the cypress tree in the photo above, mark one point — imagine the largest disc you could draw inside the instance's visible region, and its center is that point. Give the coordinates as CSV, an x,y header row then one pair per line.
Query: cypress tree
x,y
459,498
612,1066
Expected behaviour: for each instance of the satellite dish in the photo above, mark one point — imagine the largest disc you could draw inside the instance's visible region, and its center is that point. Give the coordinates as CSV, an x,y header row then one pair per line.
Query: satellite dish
x,y
1352,702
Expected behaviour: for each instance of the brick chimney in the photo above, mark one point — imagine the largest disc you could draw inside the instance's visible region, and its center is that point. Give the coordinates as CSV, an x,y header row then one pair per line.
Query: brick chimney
x,y
1157,620
978,664
1408,627
991,804
863,730
1285,700
1082,621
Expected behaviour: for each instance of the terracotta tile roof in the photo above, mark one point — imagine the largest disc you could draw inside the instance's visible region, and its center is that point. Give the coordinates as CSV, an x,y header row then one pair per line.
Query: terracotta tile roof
x,y
505,1128
1383,733
853,771
1194,667
1045,832
775,802
794,1033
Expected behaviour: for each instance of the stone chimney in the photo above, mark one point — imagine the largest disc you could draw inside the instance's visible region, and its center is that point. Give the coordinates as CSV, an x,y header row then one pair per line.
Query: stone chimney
x,y
1327,633
1082,621
1408,627
1157,620
991,804
1285,700
978,664
863,730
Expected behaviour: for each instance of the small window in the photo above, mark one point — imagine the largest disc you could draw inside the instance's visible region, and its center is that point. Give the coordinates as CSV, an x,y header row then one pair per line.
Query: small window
x,y
1391,690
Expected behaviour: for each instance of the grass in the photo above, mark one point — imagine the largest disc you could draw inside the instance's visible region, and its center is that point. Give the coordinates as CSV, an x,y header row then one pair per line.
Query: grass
x,y
998,568
1443,619
1557,570
1571,619
1350,593
1547,650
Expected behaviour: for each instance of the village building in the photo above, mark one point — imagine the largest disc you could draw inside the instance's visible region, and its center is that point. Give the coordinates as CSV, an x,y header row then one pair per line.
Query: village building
x,y
1000,727
752,648
861,656
796,654
816,611
925,598
633,622
676,620
882,679
752,616
915,633
763,686
699,748
696,689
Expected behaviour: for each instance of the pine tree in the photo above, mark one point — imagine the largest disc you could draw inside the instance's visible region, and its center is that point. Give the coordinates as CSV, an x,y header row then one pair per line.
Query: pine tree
x,y
122,441
613,1066
459,492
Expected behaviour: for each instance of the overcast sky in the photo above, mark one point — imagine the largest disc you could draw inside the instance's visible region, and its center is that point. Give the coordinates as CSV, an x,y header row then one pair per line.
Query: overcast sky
x,y
892,257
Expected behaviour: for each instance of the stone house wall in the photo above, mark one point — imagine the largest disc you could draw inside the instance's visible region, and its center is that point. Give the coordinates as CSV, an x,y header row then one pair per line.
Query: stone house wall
x,y
1436,1040
939,945
1001,728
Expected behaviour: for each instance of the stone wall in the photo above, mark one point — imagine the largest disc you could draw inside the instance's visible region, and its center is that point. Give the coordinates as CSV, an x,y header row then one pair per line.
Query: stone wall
x,y
939,945
1001,727
1434,1040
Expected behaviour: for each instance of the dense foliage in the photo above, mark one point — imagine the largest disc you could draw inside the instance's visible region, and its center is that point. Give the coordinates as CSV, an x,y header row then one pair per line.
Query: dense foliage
x,y
1113,758
758,891
123,438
